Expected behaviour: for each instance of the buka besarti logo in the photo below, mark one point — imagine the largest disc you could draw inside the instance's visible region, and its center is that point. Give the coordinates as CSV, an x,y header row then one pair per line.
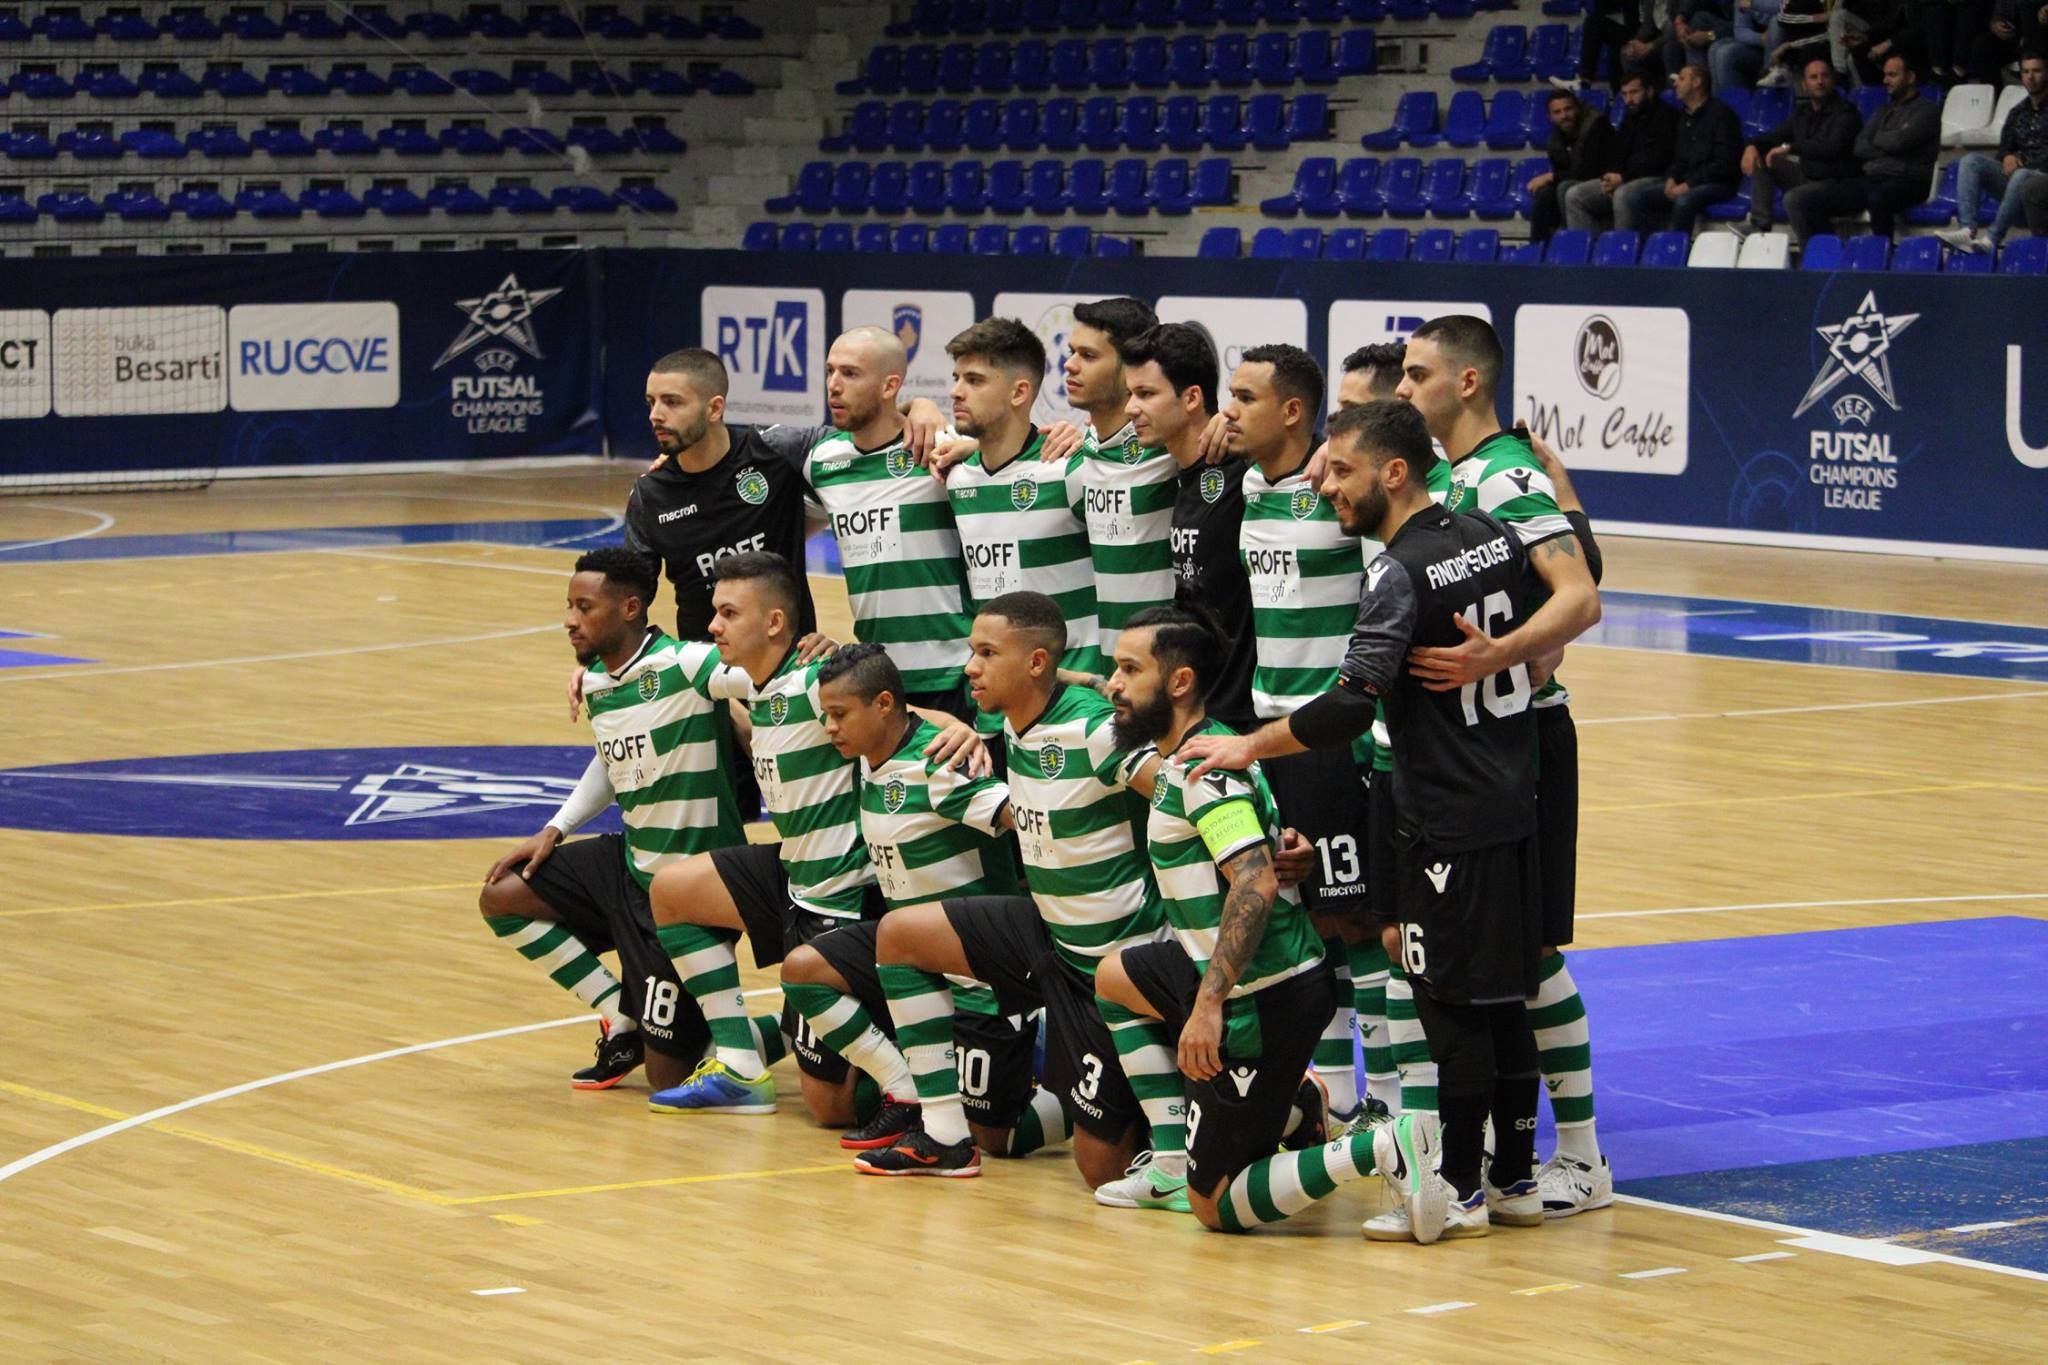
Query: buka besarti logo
x,y
1853,465
499,399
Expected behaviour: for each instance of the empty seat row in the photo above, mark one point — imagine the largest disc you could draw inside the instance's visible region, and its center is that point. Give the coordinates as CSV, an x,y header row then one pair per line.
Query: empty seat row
x,y
972,18
1103,123
1513,52
1192,61
321,23
651,136
390,201
296,81
1131,188
950,239
1493,188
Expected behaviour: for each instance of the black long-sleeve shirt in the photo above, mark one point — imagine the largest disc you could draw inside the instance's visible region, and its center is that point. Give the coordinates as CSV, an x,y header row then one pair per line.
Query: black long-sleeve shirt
x,y
1708,147
1902,139
1645,141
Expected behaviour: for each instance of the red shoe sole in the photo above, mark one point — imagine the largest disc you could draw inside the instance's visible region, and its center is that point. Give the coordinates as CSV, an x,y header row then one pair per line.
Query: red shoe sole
x,y
869,1144
966,1171
600,1085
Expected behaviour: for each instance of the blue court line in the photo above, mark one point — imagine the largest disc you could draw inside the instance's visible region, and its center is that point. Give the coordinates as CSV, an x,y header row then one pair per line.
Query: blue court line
x,y
584,532
24,658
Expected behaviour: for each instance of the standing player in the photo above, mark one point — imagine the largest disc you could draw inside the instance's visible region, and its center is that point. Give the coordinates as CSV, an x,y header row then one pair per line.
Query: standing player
x,y
1091,894
1022,523
1240,991
1170,372
653,710
1466,916
1453,370
895,529
1305,574
1129,481
816,878
1370,372
933,832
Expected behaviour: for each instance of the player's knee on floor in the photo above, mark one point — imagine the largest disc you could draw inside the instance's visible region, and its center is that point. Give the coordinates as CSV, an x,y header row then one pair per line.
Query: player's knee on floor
x,y
1100,1160
993,1141
830,1102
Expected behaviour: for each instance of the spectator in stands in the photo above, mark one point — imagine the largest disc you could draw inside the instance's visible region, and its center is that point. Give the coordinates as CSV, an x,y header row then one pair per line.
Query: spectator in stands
x,y
1815,145
1897,148
1799,33
2016,26
1653,49
1706,159
1582,147
1950,34
1861,34
1371,373
2022,157
1697,27
1738,59
2034,202
1642,154
1608,26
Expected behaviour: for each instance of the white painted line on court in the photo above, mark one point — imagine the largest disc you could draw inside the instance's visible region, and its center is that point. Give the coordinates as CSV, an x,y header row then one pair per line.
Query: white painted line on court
x,y
1805,710
105,521
1859,1247
74,673
1814,905
1658,1273
1991,1226
1764,1256
493,1293
1322,1327
554,572
1449,1306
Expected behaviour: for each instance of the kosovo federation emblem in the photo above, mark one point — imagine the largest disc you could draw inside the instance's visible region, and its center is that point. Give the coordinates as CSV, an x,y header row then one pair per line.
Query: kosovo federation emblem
x,y
1051,759
1302,503
899,462
778,710
909,321
649,686
752,486
894,794
1023,494
1212,484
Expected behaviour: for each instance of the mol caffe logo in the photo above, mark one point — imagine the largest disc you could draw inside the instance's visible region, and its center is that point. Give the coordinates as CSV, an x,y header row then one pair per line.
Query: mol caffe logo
x,y
1598,352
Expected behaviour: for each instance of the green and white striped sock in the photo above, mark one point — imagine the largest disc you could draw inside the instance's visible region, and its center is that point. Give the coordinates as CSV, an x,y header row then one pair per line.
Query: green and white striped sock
x,y
1043,1122
1145,1050
1369,994
844,1025
1277,1187
768,1038
1564,1051
921,1007
572,966
711,974
1410,1048
1333,1061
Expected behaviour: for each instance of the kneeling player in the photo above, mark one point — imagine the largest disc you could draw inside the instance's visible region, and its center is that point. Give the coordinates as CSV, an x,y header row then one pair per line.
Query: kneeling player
x,y
1241,991
652,706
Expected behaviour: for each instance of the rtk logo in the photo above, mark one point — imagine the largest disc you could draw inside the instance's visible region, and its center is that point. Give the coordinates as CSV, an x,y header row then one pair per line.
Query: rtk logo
x,y
504,314
1439,875
1242,1077
1398,327
770,348
1859,347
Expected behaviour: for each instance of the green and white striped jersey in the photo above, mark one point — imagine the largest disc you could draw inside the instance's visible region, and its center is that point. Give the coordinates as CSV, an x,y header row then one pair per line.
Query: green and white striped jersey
x,y
1075,823
901,553
1305,578
1503,478
808,790
932,835
657,731
1023,527
1439,484
1192,831
1130,491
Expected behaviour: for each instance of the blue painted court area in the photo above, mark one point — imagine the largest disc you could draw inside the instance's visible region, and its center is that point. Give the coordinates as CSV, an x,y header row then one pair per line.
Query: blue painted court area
x,y
1867,1081
567,532
11,657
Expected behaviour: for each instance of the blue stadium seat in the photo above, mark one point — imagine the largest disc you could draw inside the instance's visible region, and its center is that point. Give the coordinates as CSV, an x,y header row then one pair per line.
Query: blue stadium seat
x,y
927,187
91,146
461,201
1138,125
1387,244
347,140
871,238
1127,188
1059,124
534,142
1046,186
170,84
1006,192
1617,247
1019,131
990,239
992,68
1314,192
1221,243
1465,119
358,82
811,194
920,71
1098,124
63,28
332,203
1077,239
1148,63
271,203
1553,53
1940,208
188,25
1414,123
1269,244
1170,190
1508,119
524,199
422,81
1106,245
1358,192
232,83
282,142
1070,64
1503,56
652,135
1109,66
409,141
950,239
1273,60
835,237
1357,52
152,144
1187,61
1031,239
1031,65
1400,188
541,81
1520,253
1823,252
436,26
106,85
981,126
1180,123
964,191
849,187
1344,244
202,205
374,21
619,28
1230,63
1305,243
1443,189
1265,122
469,139
137,206
394,201
1308,120
1918,255
1568,246
1088,186
2027,256
1433,245
1477,246
125,28
1491,191
797,237
1866,252
912,238
956,68
943,126
889,188
881,73
1666,249
218,144
1222,123
903,129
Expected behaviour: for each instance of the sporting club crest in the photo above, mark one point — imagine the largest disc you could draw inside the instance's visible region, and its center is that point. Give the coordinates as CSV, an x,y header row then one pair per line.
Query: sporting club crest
x,y
900,463
1302,503
1211,484
894,794
649,686
752,486
778,710
1023,494
1052,759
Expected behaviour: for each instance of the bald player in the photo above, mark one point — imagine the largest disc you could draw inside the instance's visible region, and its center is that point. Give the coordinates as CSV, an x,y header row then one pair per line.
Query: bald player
x,y
897,538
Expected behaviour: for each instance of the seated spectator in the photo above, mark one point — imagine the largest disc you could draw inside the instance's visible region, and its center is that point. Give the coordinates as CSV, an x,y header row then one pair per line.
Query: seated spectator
x,y
1798,33
2022,157
1642,152
1696,28
1650,50
1706,158
1950,38
1816,144
1582,146
1897,148
2016,26
1608,27
1861,34
2034,203
1738,59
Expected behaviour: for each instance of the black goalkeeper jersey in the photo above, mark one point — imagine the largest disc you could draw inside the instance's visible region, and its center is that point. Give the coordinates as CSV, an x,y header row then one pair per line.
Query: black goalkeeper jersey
x,y
1209,572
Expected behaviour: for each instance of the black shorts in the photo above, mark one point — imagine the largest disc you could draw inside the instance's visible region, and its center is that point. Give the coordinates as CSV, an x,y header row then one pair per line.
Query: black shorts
x,y
1471,921
1240,1114
998,1066
595,897
1322,793
753,877
1379,847
1557,819
1009,947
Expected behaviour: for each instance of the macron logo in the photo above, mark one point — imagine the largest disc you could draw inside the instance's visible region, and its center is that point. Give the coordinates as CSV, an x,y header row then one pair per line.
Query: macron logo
x,y
1242,1077
1373,574
1438,874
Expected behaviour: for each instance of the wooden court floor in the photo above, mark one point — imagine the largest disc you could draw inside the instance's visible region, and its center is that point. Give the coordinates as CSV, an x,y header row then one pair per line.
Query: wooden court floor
x,y
354,1212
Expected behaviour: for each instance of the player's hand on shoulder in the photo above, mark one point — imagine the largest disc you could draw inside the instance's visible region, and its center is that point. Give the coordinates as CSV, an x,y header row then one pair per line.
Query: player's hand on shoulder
x,y
1215,442
1201,1040
1294,859
957,745
1444,668
1213,752
576,694
1062,439
815,646
533,851
923,424
947,453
